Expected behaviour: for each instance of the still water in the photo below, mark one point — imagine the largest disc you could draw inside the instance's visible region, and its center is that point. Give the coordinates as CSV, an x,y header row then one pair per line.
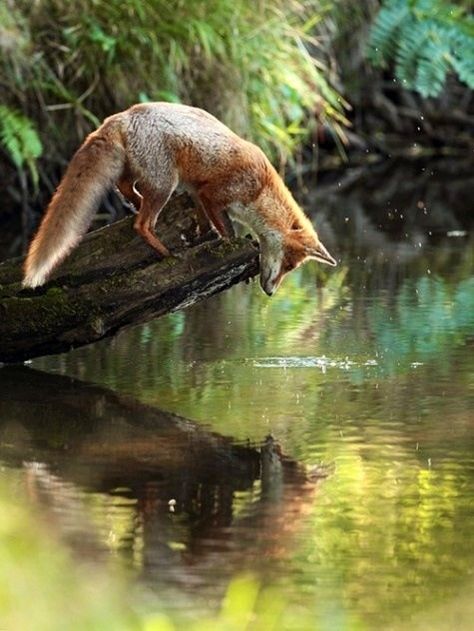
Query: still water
x,y
151,452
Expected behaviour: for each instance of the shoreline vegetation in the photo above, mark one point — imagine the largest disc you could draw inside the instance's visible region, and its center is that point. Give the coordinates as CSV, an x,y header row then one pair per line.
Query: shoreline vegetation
x,y
323,86
317,84
65,68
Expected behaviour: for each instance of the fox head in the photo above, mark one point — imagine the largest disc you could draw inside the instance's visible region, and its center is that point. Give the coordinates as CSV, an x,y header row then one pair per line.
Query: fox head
x,y
281,253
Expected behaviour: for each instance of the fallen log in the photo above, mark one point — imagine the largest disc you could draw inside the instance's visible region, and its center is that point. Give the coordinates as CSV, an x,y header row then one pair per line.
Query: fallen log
x,y
113,279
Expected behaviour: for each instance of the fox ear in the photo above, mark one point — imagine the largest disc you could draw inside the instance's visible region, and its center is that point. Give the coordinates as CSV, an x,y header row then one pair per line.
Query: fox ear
x,y
320,253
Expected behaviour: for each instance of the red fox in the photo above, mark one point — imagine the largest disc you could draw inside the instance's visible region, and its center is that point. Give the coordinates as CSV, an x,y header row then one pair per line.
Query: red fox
x,y
150,149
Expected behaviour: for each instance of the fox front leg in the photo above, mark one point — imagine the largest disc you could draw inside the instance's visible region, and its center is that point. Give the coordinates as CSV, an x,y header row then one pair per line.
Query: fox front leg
x,y
218,217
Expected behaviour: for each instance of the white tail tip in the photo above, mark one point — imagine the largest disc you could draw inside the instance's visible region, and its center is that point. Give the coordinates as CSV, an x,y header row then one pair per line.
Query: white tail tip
x,y
33,279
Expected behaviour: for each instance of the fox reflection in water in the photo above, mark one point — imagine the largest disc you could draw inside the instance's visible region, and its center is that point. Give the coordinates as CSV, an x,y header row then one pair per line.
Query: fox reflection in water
x,y
192,499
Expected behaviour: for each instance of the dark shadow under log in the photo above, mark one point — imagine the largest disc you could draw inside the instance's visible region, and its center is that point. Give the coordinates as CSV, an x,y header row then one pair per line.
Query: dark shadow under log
x,y
113,279
233,505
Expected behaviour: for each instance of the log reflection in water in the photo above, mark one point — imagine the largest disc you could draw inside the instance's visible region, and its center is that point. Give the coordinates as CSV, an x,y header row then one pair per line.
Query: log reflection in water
x,y
196,502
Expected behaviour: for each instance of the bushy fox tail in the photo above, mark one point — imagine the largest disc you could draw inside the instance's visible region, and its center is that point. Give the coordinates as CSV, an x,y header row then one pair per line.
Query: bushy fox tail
x,y
93,170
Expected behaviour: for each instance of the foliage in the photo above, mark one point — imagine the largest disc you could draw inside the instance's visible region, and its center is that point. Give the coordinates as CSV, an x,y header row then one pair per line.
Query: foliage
x,y
247,63
426,39
20,139
41,587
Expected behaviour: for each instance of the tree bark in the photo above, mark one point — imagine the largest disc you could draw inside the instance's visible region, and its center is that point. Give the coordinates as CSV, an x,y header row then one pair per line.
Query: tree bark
x,y
113,279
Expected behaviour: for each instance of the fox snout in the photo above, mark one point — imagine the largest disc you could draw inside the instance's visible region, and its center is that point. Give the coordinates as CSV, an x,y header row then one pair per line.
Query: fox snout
x,y
269,282
272,256
277,261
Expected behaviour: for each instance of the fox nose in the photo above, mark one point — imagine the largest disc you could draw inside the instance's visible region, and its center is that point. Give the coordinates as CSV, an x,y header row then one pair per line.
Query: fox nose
x,y
267,286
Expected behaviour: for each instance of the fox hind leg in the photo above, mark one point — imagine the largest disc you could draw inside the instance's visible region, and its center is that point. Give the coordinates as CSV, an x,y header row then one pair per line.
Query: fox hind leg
x,y
152,202
127,189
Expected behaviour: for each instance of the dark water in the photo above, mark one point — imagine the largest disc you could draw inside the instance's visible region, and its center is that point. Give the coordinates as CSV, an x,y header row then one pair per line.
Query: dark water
x,y
362,513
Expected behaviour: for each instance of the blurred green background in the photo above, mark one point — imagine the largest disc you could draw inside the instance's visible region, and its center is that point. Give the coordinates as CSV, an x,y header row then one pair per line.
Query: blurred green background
x,y
366,370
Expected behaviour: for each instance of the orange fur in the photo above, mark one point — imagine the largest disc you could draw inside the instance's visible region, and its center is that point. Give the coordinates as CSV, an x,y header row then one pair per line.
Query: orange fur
x,y
146,151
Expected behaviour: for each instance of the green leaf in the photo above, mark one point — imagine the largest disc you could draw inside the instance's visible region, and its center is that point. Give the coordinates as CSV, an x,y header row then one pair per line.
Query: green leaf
x,y
20,140
424,40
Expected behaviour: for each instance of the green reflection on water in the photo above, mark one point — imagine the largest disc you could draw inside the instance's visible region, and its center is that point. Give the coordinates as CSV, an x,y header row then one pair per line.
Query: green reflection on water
x,y
369,368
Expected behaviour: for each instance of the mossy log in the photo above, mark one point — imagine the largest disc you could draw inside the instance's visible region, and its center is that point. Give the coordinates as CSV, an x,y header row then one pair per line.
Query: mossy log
x,y
113,279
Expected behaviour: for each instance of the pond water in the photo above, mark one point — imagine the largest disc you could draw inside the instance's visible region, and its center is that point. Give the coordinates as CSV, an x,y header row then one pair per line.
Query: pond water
x,y
151,451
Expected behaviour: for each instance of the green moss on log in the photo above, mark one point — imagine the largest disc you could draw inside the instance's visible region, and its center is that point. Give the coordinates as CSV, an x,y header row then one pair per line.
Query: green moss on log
x,y
42,312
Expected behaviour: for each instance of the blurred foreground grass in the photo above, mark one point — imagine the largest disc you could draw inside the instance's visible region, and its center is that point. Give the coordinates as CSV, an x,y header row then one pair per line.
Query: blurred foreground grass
x,y
40,586
43,588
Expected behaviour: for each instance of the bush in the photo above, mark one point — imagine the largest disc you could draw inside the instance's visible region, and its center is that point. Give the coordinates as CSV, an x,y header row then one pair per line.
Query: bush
x,y
67,65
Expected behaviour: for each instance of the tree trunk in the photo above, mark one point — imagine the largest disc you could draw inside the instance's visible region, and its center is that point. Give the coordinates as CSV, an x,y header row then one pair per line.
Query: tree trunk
x,y
114,279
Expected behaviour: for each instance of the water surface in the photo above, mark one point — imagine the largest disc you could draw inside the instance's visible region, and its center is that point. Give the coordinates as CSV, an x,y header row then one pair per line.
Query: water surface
x,y
149,450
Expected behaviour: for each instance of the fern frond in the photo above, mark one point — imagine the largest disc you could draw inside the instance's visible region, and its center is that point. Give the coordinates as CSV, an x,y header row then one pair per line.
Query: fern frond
x,y
384,35
425,40
463,59
431,70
